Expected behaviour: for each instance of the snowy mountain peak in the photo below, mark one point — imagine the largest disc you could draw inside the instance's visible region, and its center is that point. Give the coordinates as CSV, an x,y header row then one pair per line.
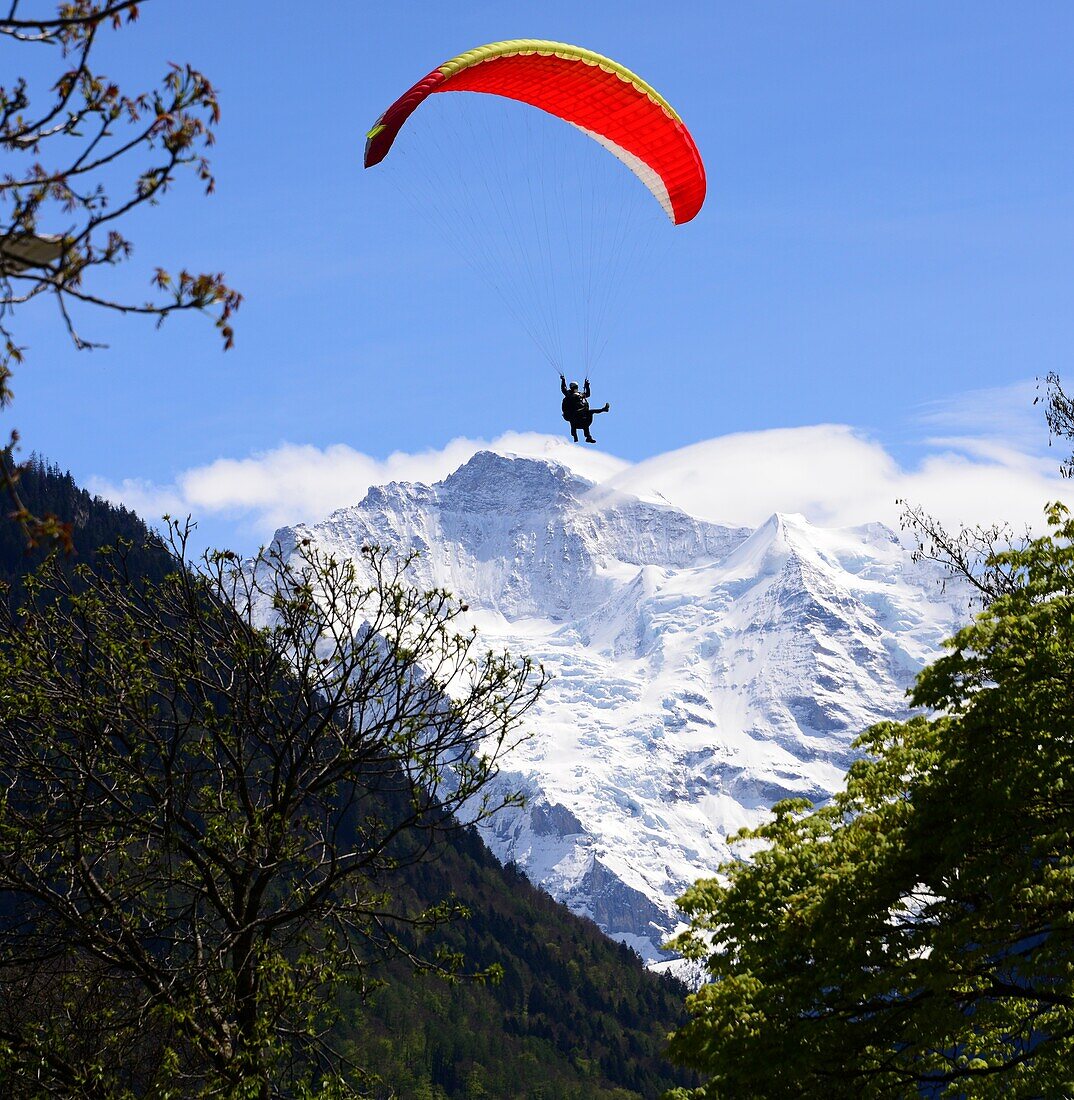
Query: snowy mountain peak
x,y
765,551
491,480
701,672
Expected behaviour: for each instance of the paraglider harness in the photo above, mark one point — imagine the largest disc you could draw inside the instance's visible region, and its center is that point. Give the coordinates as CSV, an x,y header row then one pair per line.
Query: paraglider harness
x,y
575,403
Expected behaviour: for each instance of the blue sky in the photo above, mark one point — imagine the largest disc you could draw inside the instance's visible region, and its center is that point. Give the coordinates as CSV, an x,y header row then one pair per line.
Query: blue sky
x,y
889,225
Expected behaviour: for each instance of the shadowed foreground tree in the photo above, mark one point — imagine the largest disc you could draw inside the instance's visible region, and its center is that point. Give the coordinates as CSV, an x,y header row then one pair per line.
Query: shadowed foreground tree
x,y
916,935
79,156
203,819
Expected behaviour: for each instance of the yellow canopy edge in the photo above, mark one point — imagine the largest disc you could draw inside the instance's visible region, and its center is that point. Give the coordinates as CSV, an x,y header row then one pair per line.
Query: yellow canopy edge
x,y
516,46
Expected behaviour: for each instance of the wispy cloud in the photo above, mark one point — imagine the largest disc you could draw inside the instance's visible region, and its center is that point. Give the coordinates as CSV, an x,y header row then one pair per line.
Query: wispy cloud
x,y
1003,412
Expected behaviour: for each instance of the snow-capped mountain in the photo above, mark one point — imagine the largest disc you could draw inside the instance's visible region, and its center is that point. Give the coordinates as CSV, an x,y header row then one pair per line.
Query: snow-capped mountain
x,y
701,672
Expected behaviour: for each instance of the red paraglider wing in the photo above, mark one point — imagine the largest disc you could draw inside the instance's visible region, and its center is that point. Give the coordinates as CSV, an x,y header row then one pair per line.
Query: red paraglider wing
x,y
599,96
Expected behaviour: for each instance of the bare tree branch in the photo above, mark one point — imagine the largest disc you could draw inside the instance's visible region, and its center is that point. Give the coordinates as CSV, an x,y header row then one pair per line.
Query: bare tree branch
x,y
63,196
1058,414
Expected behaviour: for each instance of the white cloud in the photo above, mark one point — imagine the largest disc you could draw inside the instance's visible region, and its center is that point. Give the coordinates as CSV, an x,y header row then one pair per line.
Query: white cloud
x,y
832,474
294,483
837,477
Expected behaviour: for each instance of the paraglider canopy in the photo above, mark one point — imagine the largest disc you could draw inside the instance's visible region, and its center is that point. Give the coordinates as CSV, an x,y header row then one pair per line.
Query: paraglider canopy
x,y
597,95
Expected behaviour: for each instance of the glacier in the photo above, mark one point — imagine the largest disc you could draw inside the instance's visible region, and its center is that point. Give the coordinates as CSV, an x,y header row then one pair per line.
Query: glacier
x,y
700,671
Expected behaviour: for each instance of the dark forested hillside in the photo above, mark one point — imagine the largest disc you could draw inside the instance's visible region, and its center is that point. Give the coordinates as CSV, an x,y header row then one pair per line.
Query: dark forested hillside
x,y
94,523
575,1016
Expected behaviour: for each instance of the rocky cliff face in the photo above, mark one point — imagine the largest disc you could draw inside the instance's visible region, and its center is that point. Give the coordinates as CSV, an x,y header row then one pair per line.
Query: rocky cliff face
x,y
701,672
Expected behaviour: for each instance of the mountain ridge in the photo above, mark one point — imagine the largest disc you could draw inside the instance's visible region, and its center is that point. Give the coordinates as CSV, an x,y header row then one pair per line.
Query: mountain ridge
x,y
701,671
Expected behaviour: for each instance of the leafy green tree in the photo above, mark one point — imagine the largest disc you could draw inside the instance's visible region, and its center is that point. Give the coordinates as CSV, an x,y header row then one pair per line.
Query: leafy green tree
x,y
916,935
204,818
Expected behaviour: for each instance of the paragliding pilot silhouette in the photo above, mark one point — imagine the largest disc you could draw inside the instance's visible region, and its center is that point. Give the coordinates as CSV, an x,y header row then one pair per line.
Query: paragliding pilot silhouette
x,y
576,410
